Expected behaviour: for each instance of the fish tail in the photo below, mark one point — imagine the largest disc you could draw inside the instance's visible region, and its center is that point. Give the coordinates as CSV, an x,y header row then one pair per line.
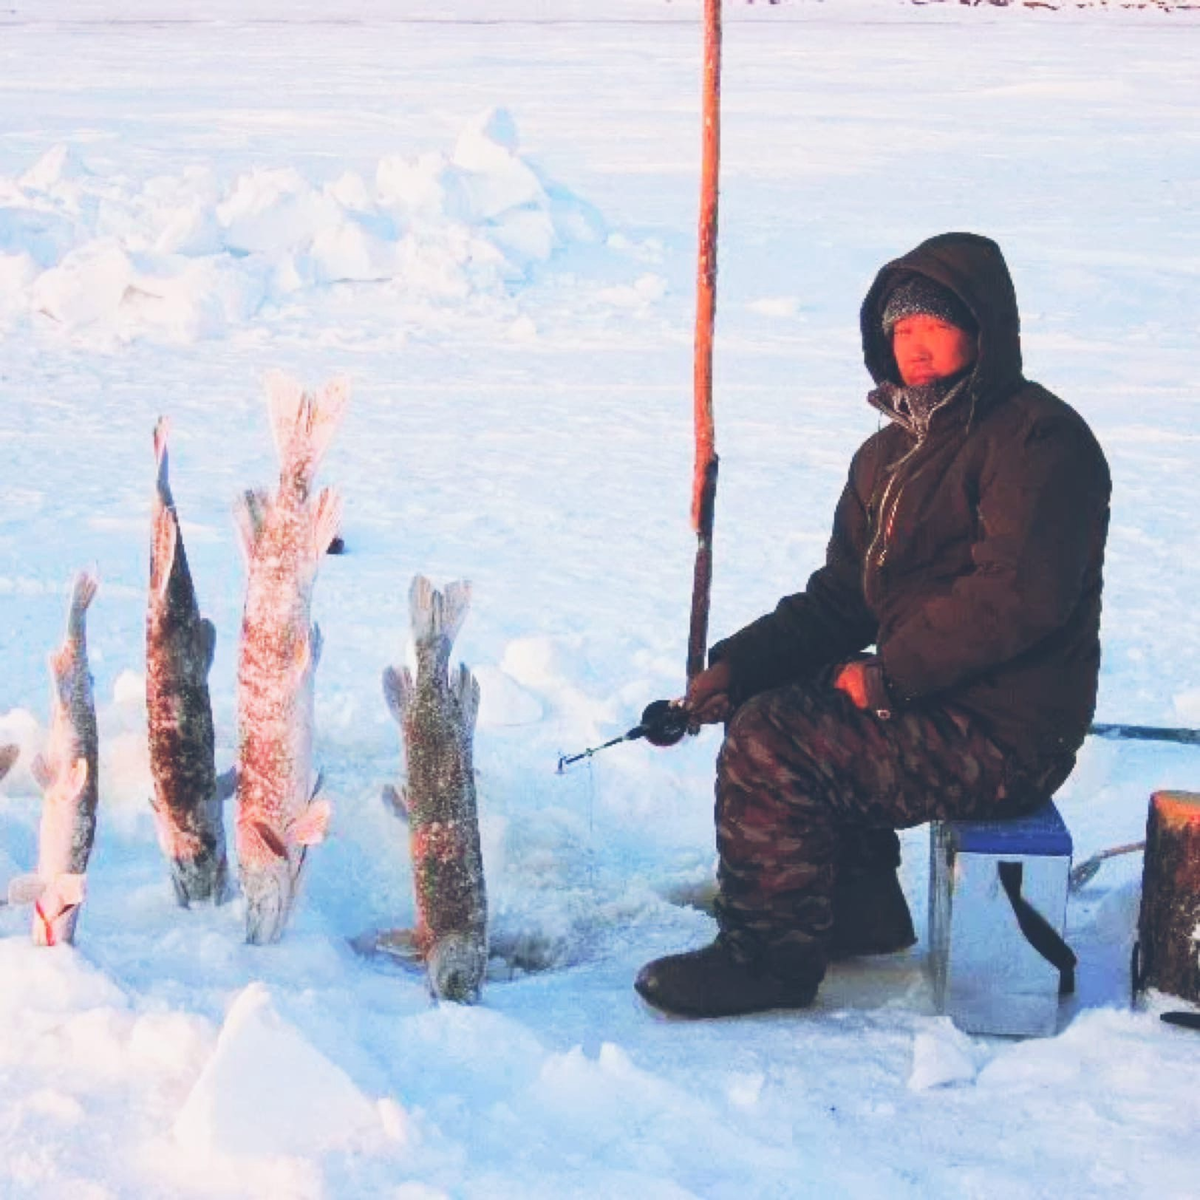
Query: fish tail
x,y
83,592
162,430
164,539
437,617
304,424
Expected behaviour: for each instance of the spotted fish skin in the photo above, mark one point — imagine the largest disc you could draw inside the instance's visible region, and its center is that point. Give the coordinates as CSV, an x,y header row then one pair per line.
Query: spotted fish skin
x,y
436,714
284,536
66,771
179,653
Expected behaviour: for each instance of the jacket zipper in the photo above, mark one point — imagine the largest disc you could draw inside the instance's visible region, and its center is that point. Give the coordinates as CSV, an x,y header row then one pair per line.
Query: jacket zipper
x,y
887,520
885,528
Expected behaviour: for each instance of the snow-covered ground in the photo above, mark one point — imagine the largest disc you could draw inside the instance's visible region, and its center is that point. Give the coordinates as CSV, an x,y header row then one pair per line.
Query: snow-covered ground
x,y
484,214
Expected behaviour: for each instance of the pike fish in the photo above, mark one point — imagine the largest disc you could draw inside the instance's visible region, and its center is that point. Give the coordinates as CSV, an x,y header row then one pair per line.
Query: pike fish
x,y
179,652
284,537
436,714
66,771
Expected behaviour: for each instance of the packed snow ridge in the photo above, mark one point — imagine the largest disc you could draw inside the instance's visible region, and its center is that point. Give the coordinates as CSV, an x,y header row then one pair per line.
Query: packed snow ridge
x,y
187,257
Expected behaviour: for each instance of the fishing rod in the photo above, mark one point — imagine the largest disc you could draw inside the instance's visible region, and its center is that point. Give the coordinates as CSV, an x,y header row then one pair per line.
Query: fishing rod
x,y
1146,733
704,471
664,722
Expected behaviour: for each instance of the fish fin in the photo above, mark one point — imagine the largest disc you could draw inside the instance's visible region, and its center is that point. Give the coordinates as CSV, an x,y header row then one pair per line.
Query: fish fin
x,y
304,424
326,521
436,614
403,945
42,772
313,823
165,537
77,778
26,889
394,799
83,592
162,831
285,397
206,643
250,511
226,785
399,945
466,689
302,655
398,691
8,756
269,838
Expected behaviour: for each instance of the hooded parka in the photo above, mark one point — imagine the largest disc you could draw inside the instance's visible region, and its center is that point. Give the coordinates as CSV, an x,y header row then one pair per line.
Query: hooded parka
x,y
970,557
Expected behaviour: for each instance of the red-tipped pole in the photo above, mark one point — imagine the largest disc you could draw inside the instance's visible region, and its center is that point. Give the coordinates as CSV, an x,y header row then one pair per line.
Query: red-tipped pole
x,y
704,476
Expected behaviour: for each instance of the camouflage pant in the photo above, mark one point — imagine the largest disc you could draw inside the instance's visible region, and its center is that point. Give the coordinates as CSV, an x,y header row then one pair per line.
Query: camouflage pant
x,y
808,785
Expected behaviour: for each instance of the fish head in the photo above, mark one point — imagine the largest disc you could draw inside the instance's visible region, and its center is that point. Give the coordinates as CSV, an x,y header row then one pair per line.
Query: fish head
x,y
269,897
456,965
271,863
57,909
268,879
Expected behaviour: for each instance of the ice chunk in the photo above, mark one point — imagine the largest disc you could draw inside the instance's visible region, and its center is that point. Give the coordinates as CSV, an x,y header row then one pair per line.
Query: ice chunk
x,y
503,701
275,210
267,1090
56,164
87,286
942,1055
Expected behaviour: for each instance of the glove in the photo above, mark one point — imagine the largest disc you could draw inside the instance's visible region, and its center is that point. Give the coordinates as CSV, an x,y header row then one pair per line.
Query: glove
x,y
862,680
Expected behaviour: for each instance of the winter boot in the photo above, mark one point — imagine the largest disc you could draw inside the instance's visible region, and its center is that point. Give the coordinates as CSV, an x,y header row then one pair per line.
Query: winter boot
x,y
719,982
870,915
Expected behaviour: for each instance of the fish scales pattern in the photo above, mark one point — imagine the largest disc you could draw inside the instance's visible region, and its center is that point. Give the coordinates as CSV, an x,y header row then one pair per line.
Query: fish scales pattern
x,y
74,732
179,651
284,537
437,717
67,771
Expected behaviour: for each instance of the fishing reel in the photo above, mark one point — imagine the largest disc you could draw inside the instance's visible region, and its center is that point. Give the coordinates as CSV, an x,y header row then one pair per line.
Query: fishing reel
x,y
663,723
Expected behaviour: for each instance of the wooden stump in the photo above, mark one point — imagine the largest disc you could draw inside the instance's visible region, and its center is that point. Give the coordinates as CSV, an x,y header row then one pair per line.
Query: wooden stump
x,y
1169,924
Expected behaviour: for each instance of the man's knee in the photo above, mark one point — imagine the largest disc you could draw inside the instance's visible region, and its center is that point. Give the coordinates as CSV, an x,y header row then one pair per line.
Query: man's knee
x,y
751,738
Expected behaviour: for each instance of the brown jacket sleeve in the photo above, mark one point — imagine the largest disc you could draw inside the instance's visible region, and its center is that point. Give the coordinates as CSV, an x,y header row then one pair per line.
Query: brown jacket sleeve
x,y
1042,512
826,623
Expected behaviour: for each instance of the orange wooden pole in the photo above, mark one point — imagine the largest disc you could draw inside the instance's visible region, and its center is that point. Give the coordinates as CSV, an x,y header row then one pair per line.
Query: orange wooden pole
x,y
704,475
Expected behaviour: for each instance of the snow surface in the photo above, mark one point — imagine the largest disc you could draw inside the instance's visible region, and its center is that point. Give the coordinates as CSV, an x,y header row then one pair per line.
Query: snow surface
x,y
485,215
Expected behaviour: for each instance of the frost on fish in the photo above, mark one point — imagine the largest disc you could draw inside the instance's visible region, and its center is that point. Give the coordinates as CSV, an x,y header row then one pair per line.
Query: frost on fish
x,y
187,798
437,715
284,537
66,772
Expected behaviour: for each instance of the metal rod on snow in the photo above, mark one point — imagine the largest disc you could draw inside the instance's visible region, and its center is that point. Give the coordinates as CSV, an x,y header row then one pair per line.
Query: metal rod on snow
x,y
704,474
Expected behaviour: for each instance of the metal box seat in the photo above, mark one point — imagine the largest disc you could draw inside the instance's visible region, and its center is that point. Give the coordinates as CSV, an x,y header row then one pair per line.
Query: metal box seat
x,y
997,909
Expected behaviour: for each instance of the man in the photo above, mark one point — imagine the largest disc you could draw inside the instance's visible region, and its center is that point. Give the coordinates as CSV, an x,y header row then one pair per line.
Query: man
x,y
967,548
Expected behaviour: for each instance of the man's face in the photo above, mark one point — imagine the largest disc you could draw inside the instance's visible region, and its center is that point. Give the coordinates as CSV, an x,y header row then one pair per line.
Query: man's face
x,y
928,349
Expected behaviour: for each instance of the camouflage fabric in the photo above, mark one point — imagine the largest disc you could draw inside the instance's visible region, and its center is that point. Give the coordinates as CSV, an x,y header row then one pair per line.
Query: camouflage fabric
x,y
808,784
